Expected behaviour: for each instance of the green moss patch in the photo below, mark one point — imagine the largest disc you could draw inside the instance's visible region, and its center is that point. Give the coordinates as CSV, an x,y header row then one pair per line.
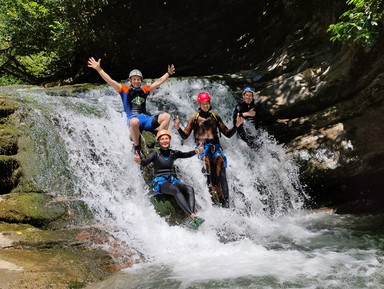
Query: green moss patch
x,y
8,141
31,208
7,107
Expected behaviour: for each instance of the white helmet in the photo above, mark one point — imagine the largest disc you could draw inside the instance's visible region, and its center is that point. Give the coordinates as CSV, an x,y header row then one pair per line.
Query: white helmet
x,y
135,72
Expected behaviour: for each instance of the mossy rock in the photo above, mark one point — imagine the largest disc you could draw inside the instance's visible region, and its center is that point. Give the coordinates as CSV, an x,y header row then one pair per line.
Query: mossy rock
x,y
8,141
7,107
43,211
10,173
31,208
167,207
53,259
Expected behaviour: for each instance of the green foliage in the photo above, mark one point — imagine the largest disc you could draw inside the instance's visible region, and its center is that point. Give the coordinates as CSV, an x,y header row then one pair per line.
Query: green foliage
x,y
361,24
39,39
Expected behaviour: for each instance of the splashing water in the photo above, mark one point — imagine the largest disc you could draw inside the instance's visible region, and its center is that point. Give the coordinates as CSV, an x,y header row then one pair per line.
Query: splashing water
x,y
265,240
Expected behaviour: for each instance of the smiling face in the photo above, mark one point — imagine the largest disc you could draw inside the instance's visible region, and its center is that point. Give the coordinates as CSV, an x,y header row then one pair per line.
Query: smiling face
x,y
135,81
248,97
205,105
164,141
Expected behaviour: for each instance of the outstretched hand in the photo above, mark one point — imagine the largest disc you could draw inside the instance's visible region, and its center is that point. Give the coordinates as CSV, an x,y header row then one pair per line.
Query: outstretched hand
x,y
171,69
137,158
94,64
176,122
200,148
239,120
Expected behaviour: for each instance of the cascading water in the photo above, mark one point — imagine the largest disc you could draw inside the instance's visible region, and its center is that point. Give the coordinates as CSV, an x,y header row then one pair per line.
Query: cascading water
x,y
265,240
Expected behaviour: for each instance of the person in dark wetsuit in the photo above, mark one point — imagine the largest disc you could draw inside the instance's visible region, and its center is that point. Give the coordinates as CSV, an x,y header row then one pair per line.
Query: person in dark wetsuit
x,y
134,101
165,181
255,116
205,126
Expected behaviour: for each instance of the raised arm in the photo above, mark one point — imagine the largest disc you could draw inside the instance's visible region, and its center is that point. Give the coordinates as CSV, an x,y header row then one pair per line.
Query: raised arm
x,y
184,133
225,130
150,158
183,155
96,66
235,113
158,82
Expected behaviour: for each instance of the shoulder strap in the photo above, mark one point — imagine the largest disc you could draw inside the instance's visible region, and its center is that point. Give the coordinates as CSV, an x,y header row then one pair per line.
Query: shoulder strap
x,y
215,116
196,116
217,122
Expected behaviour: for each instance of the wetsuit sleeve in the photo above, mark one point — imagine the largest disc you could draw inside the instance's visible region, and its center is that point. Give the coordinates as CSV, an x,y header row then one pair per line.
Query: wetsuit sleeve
x,y
224,129
186,132
150,158
184,155
124,98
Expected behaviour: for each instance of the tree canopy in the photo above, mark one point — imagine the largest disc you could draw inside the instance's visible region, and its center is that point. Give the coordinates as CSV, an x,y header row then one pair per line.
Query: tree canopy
x,y
361,24
46,40
39,39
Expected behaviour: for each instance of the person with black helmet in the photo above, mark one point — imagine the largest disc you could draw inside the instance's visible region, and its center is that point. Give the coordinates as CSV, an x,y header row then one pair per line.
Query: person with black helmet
x,y
206,126
134,99
165,181
255,116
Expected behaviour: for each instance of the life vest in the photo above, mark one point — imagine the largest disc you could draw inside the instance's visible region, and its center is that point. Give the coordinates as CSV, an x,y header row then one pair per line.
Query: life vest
x,y
163,165
164,171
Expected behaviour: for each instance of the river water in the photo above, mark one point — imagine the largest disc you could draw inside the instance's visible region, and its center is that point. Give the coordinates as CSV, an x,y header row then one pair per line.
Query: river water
x,y
267,239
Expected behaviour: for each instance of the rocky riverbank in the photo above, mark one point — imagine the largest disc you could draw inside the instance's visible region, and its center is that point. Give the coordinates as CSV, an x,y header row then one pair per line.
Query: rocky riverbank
x,y
40,259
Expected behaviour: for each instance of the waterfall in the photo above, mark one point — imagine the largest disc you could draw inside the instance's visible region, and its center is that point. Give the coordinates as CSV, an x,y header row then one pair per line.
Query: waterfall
x,y
265,238
263,184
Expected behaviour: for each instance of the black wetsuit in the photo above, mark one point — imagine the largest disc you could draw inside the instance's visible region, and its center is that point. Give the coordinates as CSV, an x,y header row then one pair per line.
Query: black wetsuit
x,y
260,120
166,179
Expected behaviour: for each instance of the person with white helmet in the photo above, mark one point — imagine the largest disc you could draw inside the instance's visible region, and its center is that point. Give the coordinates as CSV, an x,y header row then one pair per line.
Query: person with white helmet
x,y
166,182
134,99
255,116
206,126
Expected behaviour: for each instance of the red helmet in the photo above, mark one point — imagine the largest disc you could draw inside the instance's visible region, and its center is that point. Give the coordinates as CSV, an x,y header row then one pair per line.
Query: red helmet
x,y
203,96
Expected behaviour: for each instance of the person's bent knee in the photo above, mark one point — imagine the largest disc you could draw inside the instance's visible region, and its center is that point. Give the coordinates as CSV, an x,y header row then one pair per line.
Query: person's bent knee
x,y
134,122
164,116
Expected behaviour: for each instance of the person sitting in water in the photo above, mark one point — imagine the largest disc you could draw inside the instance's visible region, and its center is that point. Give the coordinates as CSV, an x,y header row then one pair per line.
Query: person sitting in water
x,y
134,101
255,116
206,125
165,181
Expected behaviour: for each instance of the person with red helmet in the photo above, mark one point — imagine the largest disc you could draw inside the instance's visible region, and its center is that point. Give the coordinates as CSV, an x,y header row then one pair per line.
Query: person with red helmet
x,y
206,126
165,181
134,99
